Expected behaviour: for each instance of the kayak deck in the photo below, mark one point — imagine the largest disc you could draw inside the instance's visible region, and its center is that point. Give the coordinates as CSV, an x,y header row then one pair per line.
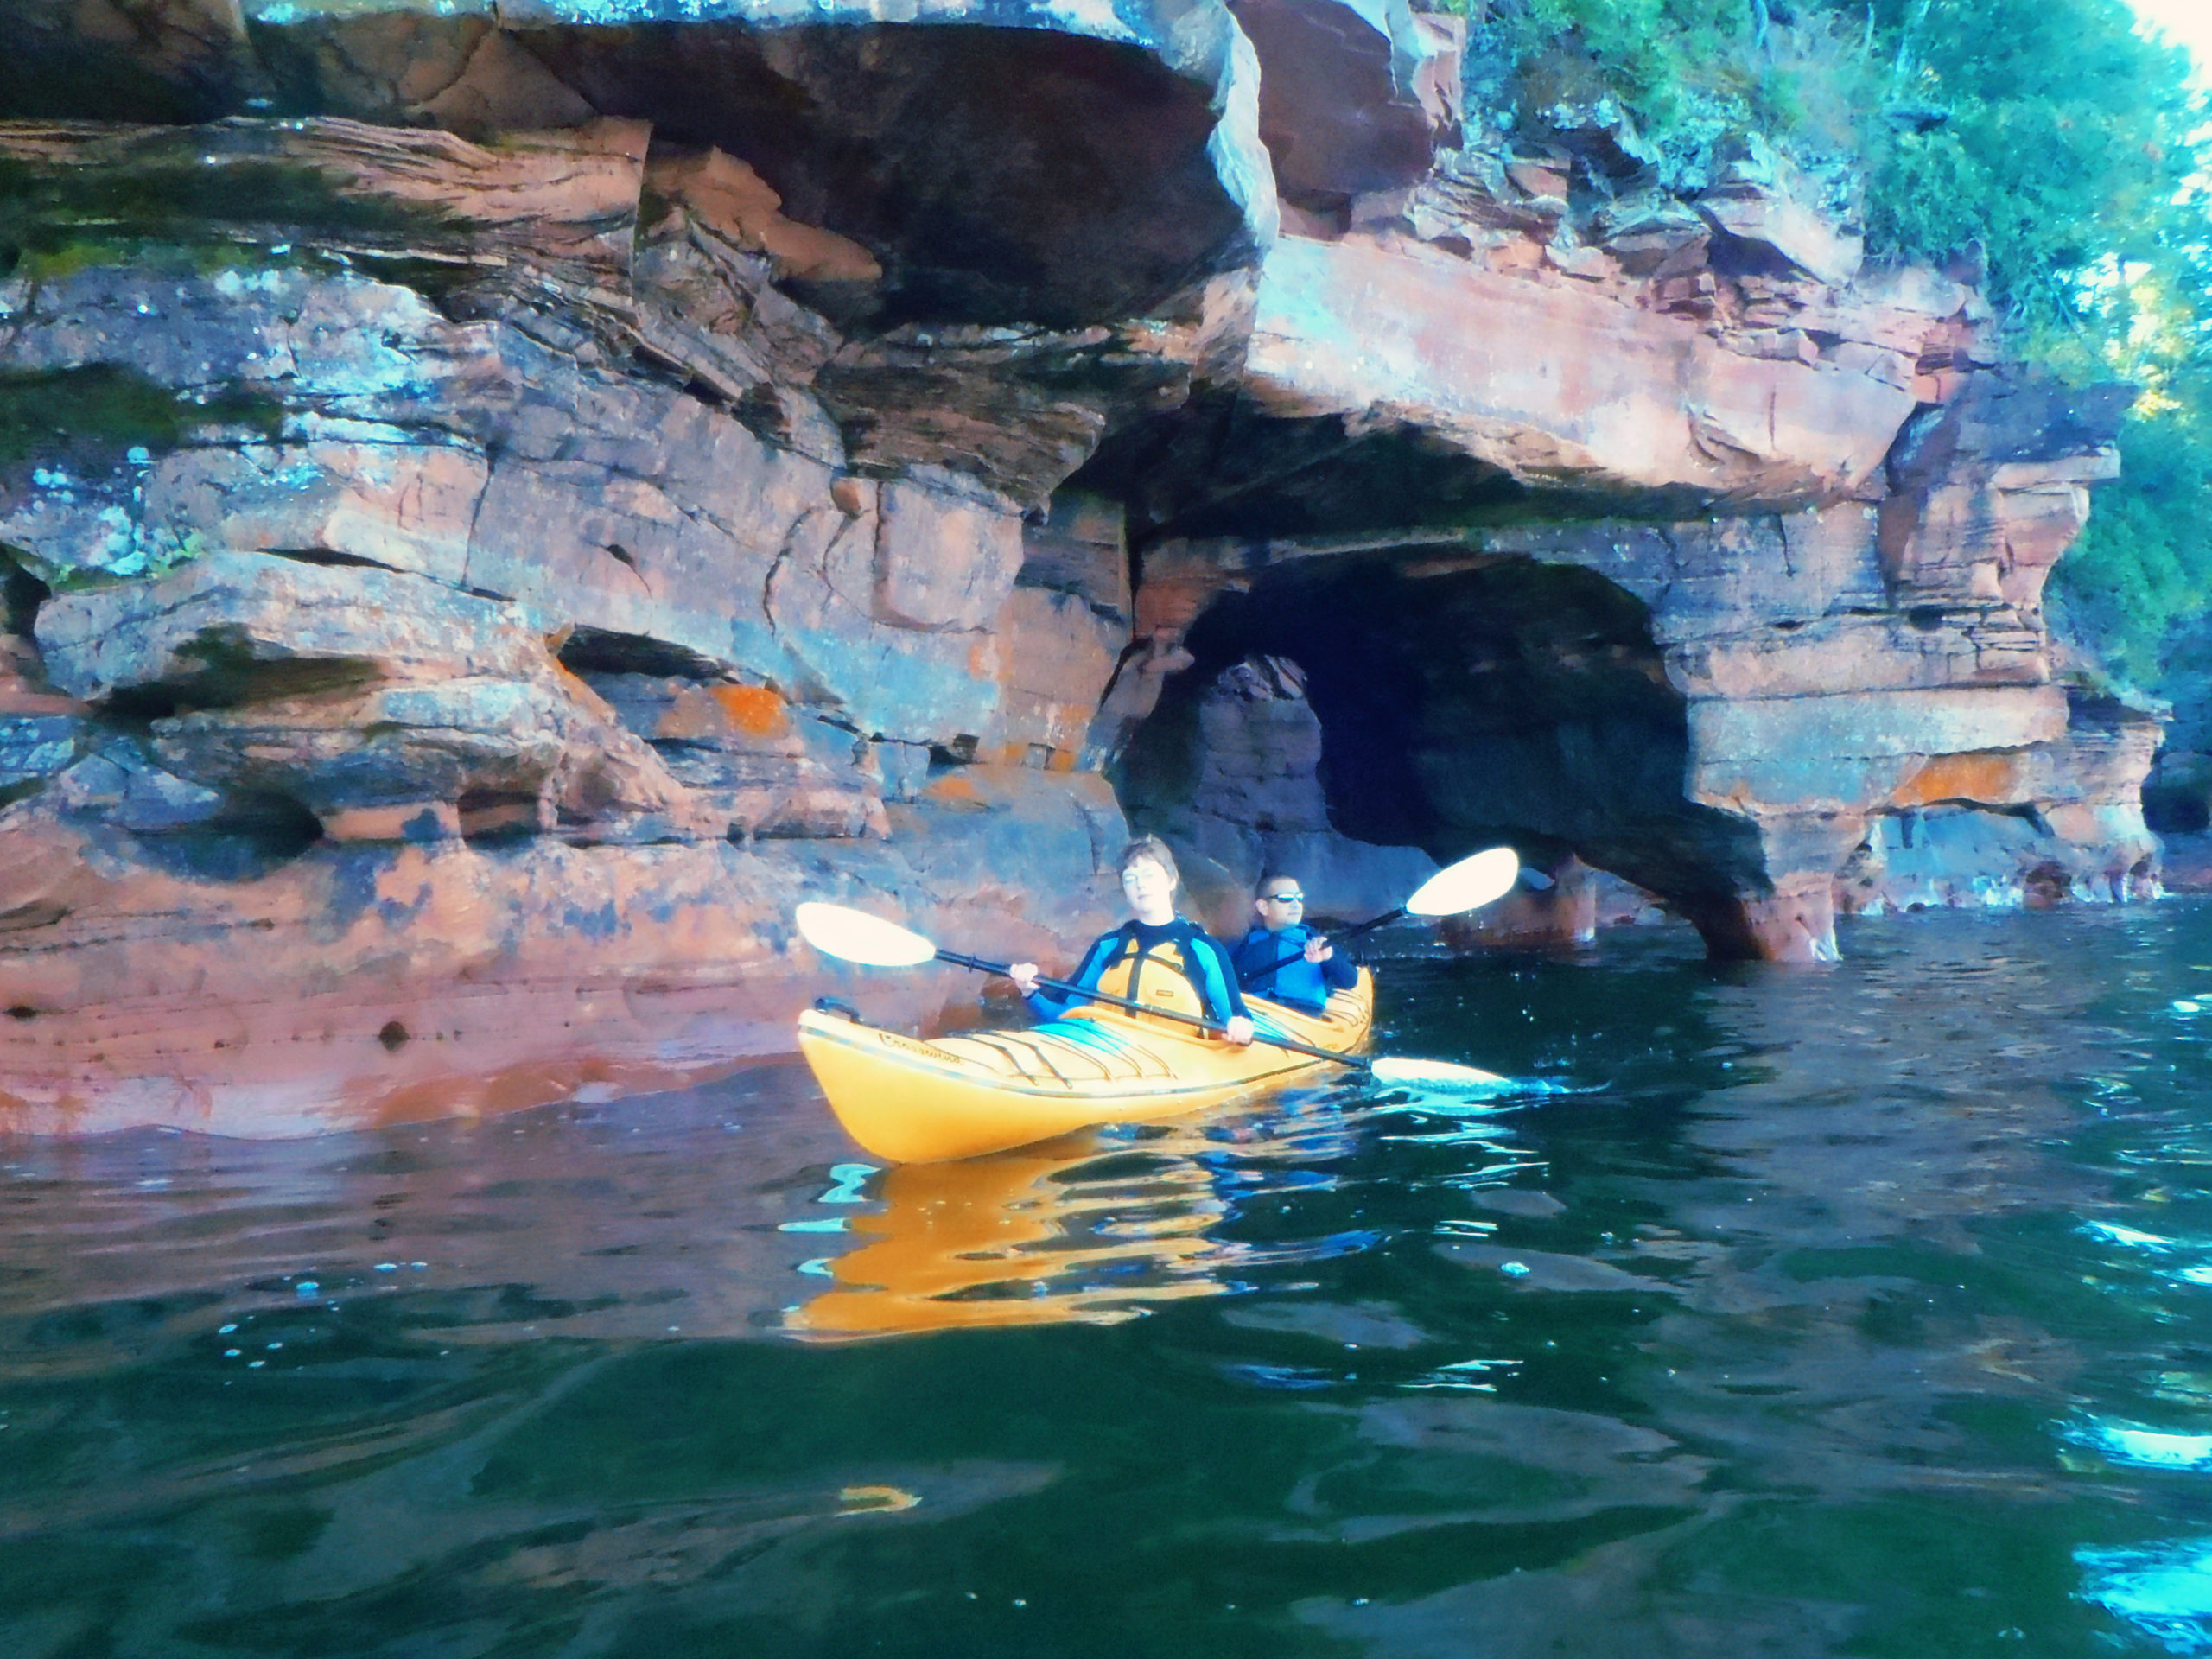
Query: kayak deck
x,y
912,1100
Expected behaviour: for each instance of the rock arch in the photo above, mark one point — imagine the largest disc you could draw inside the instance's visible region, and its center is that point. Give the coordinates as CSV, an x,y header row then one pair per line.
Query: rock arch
x,y
1459,703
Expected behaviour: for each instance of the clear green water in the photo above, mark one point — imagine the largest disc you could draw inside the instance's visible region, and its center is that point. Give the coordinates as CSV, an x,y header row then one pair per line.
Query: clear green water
x,y
1865,1311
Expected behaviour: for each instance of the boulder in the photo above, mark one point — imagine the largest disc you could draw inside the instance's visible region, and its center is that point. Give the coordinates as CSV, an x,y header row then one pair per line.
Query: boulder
x,y
394,745
1765,201
32,748
121,787
575,544
734,203
366,764
1653,232
1016,410
351,690
408,506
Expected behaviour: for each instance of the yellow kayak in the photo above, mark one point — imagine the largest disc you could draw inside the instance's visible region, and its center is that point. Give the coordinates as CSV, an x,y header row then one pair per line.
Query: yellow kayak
x,y
915,1102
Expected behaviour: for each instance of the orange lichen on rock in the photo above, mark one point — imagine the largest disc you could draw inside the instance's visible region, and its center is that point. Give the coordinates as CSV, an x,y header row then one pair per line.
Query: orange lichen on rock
x,y
715,711
753,709
953,788
1990,778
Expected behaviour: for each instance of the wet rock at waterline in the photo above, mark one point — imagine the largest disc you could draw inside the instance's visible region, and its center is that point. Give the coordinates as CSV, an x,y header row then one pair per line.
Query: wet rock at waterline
x,y
715,458
234,974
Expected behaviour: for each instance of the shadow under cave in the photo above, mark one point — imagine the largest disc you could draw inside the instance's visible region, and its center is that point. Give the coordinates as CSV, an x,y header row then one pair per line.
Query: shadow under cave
x,y
1465,702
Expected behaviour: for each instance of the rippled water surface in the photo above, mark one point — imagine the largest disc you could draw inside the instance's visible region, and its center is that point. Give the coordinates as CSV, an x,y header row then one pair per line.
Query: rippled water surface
x,y
1864,1311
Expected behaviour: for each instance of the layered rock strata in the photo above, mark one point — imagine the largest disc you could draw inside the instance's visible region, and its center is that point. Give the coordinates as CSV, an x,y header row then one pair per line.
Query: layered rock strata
x,y
467,576
1820,507
1732,712
501,502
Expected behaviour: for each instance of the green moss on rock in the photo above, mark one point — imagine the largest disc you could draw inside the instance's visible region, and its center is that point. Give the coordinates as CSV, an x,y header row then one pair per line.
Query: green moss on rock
x,y
105,410
172,190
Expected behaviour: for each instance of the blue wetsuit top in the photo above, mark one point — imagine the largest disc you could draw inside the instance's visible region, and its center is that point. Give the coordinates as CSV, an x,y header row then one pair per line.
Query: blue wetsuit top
x,y
1206,966
1300,983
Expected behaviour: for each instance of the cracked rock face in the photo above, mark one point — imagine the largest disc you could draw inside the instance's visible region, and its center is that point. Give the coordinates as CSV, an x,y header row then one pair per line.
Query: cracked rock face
x,y
404,492
1824,624
497,502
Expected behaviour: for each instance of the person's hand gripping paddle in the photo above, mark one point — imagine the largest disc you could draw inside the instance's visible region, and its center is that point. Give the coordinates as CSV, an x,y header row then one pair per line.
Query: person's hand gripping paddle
x,y
1457,888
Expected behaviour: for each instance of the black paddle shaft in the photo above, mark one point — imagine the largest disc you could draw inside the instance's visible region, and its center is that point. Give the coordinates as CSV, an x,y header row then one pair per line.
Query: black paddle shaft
x,y
1067,989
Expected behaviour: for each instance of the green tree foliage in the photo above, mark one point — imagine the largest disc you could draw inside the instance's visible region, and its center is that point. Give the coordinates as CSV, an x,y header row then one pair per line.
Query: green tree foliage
x,y
2141,566
2064,143
2043,138
1689,69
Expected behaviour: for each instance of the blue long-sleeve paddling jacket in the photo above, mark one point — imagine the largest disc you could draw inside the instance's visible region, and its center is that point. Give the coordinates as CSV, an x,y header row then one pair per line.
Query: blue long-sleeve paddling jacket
x,y
1300,983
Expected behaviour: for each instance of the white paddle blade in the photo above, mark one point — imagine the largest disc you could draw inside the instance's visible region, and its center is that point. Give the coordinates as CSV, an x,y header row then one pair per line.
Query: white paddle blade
x,y
1471,881
1441,1074
856,936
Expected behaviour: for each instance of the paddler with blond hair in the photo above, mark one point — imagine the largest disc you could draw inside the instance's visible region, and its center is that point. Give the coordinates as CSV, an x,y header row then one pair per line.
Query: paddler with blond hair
x,y
1154,957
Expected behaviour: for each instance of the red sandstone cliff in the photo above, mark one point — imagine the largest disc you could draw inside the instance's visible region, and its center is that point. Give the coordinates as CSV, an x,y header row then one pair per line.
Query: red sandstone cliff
x,y
502,508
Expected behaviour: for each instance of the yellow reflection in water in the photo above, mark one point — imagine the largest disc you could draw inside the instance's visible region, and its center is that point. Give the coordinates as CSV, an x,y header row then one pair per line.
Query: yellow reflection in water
x,y
1068,1231
876,1500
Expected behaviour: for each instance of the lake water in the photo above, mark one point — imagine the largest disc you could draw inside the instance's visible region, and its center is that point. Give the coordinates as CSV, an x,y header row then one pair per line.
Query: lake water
x,y
1860,1311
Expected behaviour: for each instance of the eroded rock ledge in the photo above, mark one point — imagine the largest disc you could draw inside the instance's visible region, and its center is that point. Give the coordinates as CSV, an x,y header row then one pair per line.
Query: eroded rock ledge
x,y
501,502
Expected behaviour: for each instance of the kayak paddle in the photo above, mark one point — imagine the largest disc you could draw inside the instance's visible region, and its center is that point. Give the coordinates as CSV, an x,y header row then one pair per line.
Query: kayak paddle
x,y
1468,885
855,935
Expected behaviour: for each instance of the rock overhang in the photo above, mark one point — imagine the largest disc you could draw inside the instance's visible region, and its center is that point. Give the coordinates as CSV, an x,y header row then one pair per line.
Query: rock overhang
x,y
1055,163
1559,386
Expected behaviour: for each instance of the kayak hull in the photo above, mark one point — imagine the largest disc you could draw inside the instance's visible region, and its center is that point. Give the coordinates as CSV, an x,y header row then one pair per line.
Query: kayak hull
x,y
910,1101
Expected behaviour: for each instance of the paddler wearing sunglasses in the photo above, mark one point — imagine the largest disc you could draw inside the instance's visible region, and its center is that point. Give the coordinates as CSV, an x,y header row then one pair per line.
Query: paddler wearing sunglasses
x,y
1313,968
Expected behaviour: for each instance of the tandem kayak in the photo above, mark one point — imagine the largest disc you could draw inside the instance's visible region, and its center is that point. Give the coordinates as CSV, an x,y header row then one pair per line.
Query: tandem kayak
x,y
916,1101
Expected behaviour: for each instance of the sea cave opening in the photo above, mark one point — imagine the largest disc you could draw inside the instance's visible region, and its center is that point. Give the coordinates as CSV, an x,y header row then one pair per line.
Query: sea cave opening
x,y
1461,700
